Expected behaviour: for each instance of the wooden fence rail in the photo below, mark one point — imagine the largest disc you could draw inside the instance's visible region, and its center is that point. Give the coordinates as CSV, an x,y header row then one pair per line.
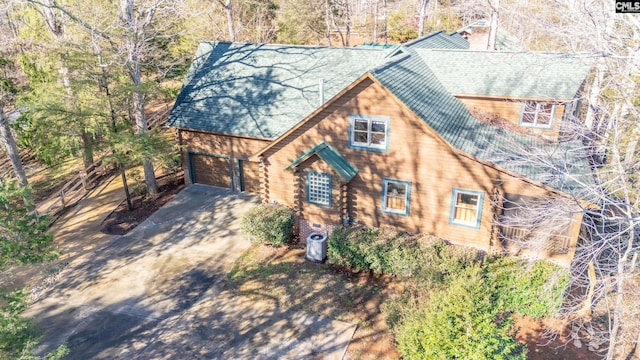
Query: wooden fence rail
x,y
75,189
6,168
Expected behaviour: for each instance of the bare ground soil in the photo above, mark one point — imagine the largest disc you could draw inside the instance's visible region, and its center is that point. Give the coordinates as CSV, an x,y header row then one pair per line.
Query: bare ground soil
x,y
283,276
122,220
542,345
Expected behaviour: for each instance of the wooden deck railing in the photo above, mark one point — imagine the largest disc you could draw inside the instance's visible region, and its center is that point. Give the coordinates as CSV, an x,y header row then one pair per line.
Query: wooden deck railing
x,y
549,242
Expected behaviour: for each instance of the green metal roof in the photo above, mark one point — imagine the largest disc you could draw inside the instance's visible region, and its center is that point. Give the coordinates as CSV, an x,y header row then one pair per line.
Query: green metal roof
x,y
331,157
508,74
438,40
561,165
372,44
262,90
459,39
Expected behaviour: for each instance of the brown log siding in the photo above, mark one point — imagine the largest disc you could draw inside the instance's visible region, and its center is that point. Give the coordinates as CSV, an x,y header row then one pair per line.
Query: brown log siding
x,y
415,154
510,110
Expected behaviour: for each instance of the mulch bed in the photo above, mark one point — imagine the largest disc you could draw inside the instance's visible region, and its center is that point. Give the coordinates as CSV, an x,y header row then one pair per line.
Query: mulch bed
x,y
121,220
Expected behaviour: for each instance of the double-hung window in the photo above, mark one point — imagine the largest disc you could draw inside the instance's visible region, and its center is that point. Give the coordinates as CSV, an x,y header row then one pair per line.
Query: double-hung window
x,y
537,114
319,188
369,132
466,207
395,196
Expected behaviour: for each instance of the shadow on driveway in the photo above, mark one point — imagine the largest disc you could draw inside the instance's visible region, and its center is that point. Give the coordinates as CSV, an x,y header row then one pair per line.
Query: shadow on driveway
x,y
153,294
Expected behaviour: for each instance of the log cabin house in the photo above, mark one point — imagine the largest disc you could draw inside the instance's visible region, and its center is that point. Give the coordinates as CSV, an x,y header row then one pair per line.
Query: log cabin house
x,y
386,137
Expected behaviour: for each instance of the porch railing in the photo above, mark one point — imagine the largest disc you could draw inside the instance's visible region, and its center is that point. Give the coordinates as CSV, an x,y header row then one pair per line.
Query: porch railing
x,y
535,239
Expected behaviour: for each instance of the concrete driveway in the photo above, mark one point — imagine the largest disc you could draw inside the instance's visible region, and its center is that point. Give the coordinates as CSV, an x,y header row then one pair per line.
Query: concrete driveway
x,y
155,294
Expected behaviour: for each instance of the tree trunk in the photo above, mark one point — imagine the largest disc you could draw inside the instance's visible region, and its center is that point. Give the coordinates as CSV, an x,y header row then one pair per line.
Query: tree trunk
x,y
327,11
123,176
593,106
133,47
229,11
12,149
374,38
636,351
347,24
623,268
141,127
87,146
87,141
52,19
493,31
384,15
423,14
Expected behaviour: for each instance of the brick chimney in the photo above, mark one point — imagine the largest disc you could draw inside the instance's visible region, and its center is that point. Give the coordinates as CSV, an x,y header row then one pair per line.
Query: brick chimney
x,y
479,37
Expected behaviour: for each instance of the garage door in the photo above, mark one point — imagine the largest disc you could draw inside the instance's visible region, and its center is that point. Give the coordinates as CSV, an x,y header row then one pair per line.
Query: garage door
x,y
210,170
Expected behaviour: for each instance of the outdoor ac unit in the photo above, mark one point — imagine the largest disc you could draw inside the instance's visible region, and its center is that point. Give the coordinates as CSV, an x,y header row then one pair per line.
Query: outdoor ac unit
x,y
317,247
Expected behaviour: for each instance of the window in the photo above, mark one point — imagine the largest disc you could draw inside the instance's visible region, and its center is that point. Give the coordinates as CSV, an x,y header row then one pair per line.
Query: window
x,y
466,207
395,196
369,132
319,188
537,114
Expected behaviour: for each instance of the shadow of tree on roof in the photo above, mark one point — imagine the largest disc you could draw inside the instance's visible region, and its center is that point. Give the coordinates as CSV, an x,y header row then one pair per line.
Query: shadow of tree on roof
x,y
262,90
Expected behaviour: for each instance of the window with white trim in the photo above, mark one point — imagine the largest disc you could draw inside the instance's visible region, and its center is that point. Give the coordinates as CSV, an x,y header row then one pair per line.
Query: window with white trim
x,y
466,207
537,114
369,132
319,188
395,196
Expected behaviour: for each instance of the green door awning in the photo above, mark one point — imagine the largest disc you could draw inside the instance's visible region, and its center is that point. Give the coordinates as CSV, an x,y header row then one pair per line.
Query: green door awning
x,y
331,157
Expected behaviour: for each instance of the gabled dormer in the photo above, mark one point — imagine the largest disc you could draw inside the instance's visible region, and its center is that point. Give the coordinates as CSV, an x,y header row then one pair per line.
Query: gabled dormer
x,y
535,92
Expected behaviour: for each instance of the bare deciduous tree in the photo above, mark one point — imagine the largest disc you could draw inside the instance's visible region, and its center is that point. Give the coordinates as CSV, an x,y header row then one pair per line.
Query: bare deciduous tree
x,y
422,17
9,86
493,28
605,294
230,24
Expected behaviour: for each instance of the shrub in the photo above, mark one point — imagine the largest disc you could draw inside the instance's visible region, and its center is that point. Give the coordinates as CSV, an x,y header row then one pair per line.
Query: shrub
x,y
18,336
396,253
399,306
534,289
347,247
442,260
24,236
268,224
458,321
384,251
